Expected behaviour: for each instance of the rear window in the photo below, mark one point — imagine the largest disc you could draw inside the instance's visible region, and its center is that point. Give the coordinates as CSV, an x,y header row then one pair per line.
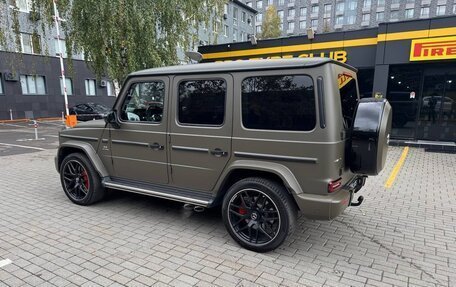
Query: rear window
x,y
278,103
348,97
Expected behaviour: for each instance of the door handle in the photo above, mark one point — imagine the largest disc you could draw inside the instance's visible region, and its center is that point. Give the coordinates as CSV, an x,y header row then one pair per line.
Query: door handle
x,y
156,146
218,152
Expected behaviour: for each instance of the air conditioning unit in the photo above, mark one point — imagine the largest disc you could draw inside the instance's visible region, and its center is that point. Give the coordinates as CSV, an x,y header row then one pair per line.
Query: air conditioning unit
x,y
103,83
225,16
11,77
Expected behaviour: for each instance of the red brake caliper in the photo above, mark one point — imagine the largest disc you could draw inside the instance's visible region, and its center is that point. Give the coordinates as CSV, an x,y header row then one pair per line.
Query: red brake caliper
x,y
85,176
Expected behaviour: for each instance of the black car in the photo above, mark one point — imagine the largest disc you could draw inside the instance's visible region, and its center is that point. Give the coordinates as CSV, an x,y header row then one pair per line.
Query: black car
x,y
89,111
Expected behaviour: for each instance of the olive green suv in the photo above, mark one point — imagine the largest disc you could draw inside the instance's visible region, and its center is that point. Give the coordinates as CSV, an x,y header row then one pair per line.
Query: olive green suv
x,y
265,139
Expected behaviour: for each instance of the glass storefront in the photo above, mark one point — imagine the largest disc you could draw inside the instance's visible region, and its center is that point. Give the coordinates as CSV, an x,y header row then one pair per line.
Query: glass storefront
x,y
423,97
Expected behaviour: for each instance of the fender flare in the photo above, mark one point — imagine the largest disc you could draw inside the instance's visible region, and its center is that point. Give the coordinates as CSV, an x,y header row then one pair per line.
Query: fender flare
x,y
88,150
280,170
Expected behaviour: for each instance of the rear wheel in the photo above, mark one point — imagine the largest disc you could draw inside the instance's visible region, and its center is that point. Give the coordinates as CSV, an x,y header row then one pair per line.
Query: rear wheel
x,y
80,181
259,214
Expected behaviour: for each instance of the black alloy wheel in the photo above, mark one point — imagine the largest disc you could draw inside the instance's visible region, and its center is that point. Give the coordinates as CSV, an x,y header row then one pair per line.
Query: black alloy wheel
x,y
259,213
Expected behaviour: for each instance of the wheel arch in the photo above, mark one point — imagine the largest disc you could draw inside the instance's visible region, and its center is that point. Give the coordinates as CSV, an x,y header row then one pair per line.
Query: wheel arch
x,y
70,147
247,168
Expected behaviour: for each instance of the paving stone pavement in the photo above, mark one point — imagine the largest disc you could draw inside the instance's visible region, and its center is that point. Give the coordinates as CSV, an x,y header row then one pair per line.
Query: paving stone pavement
x,y
402,236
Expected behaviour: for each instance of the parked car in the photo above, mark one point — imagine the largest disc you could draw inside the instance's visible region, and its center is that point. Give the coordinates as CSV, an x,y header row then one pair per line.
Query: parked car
x,y
89,111
264,139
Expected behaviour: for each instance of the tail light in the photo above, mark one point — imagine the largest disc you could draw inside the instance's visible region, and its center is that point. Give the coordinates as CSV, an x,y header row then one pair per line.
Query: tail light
x,y
334,185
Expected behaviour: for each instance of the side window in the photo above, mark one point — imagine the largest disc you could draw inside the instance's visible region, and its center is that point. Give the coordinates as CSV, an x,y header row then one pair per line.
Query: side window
x,y
278,103
144,102
202,102
348,97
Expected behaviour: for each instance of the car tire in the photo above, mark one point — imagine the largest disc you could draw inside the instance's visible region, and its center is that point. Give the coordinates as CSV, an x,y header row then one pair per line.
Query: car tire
x,y
259,213
80,181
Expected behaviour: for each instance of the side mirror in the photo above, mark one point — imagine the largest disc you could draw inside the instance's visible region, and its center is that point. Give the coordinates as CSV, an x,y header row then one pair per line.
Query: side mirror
x,y
111,118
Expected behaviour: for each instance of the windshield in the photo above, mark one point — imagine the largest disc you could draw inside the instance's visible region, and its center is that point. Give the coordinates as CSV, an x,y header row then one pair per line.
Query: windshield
x,y
348,97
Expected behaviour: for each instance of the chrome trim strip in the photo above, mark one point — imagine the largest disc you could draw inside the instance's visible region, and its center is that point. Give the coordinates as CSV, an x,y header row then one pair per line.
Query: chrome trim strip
x,y
79,137
275,157
187,148
156,193
199,135
130,143
286,141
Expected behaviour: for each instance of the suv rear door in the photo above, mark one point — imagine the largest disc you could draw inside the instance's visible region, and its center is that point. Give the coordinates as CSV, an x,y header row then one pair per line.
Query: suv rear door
x,y
201,108
138,147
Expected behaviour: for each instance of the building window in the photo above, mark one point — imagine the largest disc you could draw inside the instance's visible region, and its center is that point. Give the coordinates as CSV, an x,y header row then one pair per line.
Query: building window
x,y
270,2
380,16
352,5
243,17
1,87
291,1
291,26
339,20
454,9
395,2
258,29
351,19
281,2
202,102
30,44
235,15
90,87
280,13
33,85
226,9
302,25
340,7
326,24
424,12
314,23
380,2
303,11
278,103
226,30
259,4
409,13
23,5
366,17
250,20
291,12
110,90
315,9
243,36
394,16
235,35
259,18
440,10
62,46
327,8
69,86
366,3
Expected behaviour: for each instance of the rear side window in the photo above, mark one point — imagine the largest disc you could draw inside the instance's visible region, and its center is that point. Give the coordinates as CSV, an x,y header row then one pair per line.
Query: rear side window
x,y
348,97
202,102
278,103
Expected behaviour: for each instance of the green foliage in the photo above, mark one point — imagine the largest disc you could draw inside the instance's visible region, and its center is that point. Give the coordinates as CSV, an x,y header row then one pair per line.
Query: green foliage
x,y
271,24
121,36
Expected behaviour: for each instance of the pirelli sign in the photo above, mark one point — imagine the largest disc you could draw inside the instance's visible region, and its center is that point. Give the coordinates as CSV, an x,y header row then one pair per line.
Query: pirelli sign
x,y
441,48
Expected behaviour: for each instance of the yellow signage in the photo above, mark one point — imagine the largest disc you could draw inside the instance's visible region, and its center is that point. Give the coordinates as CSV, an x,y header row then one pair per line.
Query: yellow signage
x,y
441,48
340,56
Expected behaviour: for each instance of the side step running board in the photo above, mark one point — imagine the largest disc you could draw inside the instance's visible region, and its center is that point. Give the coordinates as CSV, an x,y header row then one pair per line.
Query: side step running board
x,y
185,196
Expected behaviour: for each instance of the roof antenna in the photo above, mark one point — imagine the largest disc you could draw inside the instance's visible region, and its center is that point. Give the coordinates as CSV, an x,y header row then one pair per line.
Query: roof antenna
x,y
194,56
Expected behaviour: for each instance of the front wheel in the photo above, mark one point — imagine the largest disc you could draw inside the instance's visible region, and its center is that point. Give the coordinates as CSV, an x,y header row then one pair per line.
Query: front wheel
x,y
80,181
258,214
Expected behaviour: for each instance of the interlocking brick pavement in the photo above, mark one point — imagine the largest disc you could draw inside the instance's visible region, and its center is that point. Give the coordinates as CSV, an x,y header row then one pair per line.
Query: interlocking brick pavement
x,y
402,236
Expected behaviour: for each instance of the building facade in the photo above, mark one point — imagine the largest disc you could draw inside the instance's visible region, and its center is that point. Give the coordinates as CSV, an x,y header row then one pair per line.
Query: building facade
x,y
411,63
342,15
30,81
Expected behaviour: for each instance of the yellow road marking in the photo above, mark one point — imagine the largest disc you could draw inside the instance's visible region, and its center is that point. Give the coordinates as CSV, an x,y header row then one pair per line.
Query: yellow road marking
x,y
396,168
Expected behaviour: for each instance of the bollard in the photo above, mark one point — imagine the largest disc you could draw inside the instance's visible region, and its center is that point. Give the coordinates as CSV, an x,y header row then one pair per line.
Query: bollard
x,y
11,114
35,125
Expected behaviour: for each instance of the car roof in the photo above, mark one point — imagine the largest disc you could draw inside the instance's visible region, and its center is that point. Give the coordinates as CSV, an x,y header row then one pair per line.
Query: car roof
x,y
239,66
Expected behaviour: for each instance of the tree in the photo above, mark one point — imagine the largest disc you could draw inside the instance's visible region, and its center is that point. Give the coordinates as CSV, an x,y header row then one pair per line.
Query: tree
x,y
121,36
271,24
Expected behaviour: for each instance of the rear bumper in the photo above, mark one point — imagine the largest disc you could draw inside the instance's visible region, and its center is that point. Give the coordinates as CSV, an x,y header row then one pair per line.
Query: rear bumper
x,y
327,207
